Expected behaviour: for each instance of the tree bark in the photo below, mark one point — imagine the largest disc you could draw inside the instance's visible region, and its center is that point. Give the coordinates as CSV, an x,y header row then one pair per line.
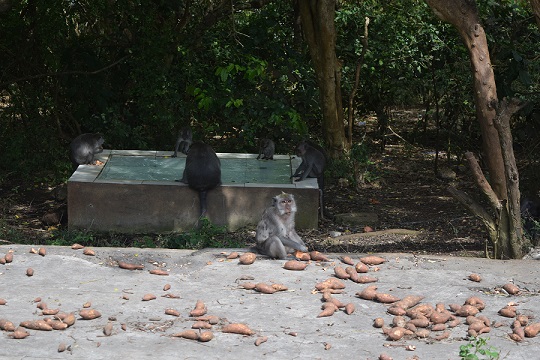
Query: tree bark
x,y
535,4
463,14
494,118
320,34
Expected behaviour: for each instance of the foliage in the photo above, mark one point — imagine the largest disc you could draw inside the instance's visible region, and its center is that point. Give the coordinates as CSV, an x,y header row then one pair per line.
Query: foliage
x,y
206,235
477,349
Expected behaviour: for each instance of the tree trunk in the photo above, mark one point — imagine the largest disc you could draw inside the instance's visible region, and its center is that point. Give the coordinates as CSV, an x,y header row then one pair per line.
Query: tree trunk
x,y
320,33
535,4
494,118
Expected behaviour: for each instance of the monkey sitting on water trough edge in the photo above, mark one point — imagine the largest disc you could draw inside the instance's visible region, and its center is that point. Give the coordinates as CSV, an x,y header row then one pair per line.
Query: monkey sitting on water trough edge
x,y
276,235
267,148
84,147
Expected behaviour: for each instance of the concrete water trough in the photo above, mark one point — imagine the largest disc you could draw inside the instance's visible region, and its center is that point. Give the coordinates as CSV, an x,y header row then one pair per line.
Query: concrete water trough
x,y
135,191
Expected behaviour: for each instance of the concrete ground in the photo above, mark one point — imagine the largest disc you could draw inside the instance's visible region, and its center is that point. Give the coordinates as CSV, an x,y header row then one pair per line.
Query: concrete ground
x,y
66,279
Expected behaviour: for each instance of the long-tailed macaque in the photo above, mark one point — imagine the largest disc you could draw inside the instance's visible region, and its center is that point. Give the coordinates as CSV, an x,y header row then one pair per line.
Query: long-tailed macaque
x,y
84,147
276,236
185,138
202,171
266,149
313,164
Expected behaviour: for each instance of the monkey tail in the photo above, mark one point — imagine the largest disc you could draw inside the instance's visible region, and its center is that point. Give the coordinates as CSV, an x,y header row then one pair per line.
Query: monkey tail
x,y
202,201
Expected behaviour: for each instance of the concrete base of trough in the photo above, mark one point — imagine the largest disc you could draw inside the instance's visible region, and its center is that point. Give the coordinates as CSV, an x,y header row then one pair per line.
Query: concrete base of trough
x,y
162,206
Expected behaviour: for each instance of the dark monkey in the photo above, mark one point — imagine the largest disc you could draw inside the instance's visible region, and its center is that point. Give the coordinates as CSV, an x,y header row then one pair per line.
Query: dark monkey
x,y
313,164
276,236
202,171
84,147
266,148
185,138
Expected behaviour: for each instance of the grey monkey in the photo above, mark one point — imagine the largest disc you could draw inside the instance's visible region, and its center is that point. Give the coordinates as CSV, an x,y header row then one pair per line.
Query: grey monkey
x,y
276,235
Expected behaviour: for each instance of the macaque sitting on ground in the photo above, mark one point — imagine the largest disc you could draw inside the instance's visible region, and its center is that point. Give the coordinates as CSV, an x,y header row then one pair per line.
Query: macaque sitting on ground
x,y
266,148
185,138
84,147
276,236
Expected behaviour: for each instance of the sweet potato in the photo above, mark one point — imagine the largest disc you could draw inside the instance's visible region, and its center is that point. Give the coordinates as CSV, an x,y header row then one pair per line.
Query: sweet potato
x,y
89,252
199,310
399,321
438,327
361,267
6,325
107,329
172,312
444,335
511,288
237,328
372,260
409,301
475,277
129,266
422,333
386,298
247,258
41,305
50,311
77,246
233,255
454,307
439,317
187,334
248,285
336,302
295,265
515,337
279,287
340,273
211,319
8,257
160,272
467,310
353,274
347,260
56,324
36,325
29,272
508,311
520,331
369,293
420,322
366,279
206,336
384,356
421,310
476,302
19,333
42,251
87,304
62,347
302,256
89,314
317,256
523,319
453,323
395,333
378,322
166,287
260,340
532,330
201,325
331,283
349,308
264,288
148,297
69,319
328,309
396,310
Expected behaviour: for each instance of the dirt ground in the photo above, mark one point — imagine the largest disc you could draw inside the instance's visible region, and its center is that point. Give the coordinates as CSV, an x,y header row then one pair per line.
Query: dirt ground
x,y
405,194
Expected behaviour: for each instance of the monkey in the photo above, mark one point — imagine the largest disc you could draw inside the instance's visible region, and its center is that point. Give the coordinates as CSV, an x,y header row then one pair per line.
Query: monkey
x,y
266,148
84,147
313,164
202,171
185,138
276,236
